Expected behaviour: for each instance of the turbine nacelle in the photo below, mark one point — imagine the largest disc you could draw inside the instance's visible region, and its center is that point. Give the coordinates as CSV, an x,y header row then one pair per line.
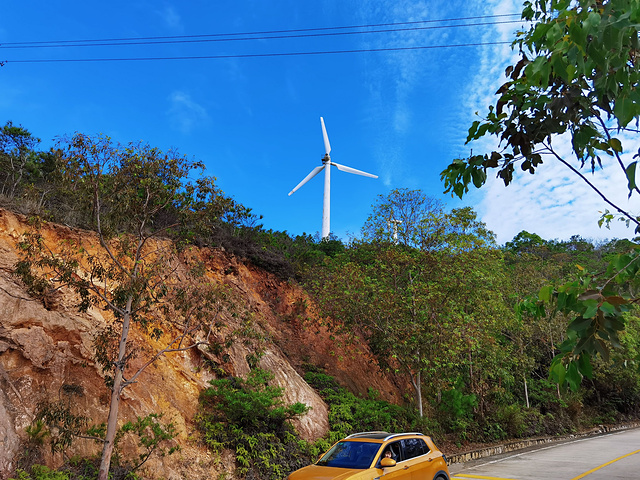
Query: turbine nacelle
x,y
326,166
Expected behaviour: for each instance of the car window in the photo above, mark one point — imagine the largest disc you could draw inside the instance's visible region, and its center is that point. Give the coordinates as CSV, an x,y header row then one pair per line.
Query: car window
x,y
396,452
414,447
347,454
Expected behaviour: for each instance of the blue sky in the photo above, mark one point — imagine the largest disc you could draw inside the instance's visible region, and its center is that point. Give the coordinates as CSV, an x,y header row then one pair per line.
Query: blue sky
x,y
255,120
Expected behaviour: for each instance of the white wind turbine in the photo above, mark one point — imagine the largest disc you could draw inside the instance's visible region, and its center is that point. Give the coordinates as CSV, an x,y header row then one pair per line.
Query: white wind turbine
x,y
326,165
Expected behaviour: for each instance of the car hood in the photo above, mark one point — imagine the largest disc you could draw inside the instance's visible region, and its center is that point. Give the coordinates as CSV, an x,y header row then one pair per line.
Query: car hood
x,y
316,472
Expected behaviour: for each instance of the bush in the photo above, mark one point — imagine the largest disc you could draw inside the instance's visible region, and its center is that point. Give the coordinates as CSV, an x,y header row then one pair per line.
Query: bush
x,y
456,410
248,417
40,472
349,413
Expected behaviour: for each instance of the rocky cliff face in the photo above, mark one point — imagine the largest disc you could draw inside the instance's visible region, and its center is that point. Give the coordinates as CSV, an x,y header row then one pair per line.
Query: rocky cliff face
x,y
46,351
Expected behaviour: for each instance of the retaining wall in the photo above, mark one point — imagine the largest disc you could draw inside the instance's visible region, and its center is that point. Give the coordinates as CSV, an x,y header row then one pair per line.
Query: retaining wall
x,y
533,442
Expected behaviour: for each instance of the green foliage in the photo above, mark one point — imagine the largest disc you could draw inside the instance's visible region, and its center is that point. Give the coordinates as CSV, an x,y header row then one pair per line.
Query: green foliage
x,y
576,78
248,417
598,305
130,195
408,217
61,423
434,307
41,472
20,166
37,432
349,413
252,405
152,435
56,422
74,469
457,406
430,305
59,185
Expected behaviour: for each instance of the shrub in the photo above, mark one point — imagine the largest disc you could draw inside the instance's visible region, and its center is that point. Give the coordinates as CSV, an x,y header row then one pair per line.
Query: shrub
x,y
349,413
456,409
248,417
40,472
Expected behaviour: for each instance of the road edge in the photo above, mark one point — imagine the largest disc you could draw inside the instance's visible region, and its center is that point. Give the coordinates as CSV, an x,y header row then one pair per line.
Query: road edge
x,y
459,459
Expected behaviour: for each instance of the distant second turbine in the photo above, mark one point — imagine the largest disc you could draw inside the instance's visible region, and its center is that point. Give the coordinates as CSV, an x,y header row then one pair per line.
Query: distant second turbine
x,y
326,163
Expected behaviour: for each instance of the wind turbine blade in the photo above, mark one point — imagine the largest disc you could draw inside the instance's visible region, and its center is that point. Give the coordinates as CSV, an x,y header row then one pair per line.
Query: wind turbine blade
x,y
327,146
353,170
313,173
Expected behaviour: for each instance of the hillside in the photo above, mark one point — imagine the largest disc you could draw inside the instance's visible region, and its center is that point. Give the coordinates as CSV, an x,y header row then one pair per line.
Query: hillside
x,y
46,351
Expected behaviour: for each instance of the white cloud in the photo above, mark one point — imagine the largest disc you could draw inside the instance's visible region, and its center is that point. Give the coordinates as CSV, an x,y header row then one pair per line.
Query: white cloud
x,y
398,78
184,113
171,18
394,78
555,202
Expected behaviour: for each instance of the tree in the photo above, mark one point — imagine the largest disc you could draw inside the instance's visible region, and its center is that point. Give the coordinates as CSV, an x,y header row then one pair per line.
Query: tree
x,y
576,83
425,305
16,155
405,216
382,293
134,195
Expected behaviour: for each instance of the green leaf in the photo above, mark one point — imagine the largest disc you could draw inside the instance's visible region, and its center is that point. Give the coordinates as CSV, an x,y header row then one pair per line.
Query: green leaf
x,y
631,176
592,308
615,144
479,177
558,371
577,34
602,349
555,33
584,365
580,324
614,324
573,376
591,23
598,54
624,110
545,293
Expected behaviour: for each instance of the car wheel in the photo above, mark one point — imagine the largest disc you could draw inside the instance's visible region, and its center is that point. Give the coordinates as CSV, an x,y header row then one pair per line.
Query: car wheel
x,y
440,477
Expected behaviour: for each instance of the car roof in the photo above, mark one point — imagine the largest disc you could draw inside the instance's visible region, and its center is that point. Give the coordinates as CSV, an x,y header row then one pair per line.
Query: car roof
x,y
384,436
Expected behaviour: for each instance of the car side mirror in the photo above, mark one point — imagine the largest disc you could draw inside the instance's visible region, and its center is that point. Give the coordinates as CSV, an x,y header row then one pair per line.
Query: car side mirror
x,y
387,462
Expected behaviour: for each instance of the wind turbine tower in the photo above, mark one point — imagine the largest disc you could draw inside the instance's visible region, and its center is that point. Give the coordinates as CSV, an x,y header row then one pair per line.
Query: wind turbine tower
x,y
326,166
395,229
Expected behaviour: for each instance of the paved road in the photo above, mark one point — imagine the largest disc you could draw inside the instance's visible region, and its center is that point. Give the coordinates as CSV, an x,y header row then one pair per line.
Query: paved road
x,y
614,456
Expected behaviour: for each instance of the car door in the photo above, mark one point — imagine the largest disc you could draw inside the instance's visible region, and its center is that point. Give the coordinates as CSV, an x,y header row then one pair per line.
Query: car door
x,y
419,459
401,470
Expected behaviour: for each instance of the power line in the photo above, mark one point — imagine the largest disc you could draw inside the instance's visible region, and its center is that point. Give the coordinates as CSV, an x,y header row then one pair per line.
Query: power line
x,y
253,34
255,55
245,38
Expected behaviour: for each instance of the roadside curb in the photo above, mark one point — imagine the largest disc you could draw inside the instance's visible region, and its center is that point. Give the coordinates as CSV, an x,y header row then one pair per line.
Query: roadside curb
x,y
516,445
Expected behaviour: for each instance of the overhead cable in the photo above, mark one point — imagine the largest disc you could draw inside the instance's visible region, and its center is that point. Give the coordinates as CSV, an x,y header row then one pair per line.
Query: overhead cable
x,y
254,55
252,35
246,38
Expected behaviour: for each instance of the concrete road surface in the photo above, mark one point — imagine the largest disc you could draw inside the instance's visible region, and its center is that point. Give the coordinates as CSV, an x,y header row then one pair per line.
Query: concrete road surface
x,y
614,456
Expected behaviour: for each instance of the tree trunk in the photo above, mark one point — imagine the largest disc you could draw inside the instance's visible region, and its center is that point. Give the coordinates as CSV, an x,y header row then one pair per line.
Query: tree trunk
x,y
526,390
112,421
419,392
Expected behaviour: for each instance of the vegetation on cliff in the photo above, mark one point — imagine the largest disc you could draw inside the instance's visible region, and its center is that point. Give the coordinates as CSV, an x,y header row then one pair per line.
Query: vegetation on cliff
x,y
437,301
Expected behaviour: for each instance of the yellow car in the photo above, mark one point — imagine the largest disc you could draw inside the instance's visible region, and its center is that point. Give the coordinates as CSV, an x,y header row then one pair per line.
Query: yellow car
x,y
379,455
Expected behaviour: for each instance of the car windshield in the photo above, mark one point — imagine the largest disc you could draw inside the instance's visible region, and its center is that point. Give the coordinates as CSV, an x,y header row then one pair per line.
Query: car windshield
x,y
350,455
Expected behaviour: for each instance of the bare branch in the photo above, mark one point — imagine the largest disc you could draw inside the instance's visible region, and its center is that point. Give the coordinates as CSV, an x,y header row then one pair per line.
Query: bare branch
x,y
615,152
593,187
